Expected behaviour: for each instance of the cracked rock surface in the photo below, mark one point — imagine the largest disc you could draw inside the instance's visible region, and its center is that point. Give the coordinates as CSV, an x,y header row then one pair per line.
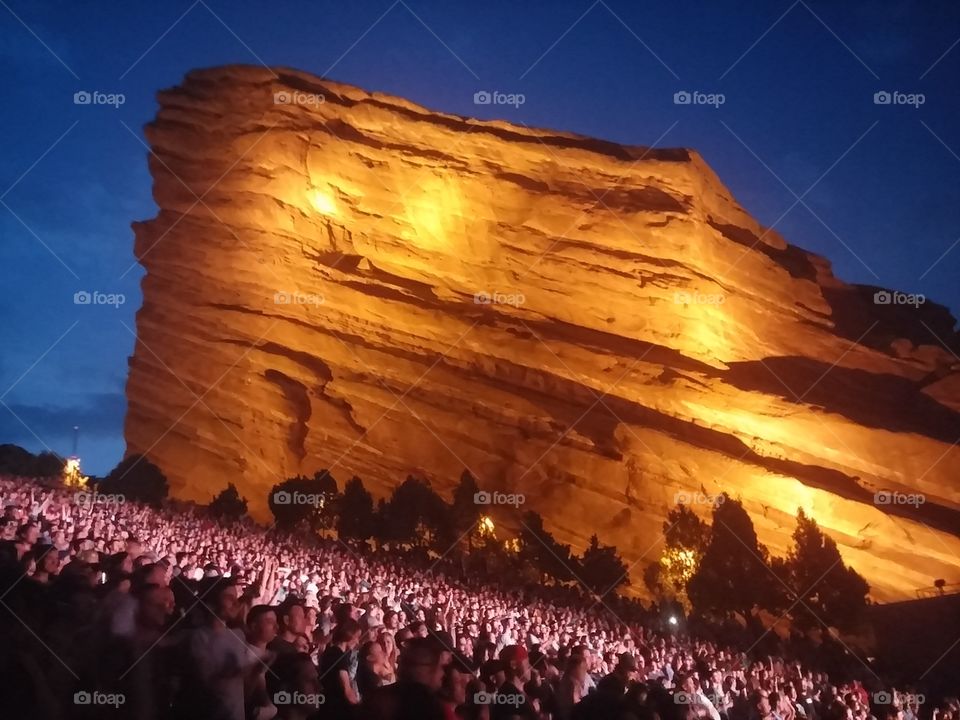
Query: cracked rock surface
x,y
342,279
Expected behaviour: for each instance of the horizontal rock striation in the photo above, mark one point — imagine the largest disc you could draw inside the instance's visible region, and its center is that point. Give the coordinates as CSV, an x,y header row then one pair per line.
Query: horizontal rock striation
x,y
346,280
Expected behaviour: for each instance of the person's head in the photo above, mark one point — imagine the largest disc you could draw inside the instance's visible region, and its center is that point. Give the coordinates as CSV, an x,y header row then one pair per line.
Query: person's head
x,y
301,643
134,547
224,601
626,668
577,668
391,620
387,642
403,636
293,618
28,534
155,603
29,565
372,655
492,673
761,702
444,643
584,652
149,574
456,677
346,635
261,624
516,662
48,560
420,663
345,611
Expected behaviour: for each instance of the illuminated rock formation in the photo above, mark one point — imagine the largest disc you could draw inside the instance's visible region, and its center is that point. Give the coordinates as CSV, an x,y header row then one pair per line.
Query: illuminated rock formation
x,y
338,279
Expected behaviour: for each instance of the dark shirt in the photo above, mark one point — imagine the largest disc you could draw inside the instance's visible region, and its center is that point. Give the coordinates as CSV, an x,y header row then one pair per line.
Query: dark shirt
x,y
511,702
280,646
332,662
367,680
402,701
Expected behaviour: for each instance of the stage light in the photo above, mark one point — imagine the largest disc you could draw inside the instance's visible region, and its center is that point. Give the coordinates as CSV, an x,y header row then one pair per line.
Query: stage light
x,y
486,528
672,620
72,476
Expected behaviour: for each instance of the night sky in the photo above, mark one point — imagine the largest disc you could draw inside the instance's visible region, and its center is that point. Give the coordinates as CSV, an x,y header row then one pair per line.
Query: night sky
x,y
798,138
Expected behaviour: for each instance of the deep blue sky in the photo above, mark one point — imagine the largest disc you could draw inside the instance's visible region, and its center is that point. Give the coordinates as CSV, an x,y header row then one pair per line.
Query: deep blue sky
x,y
798,80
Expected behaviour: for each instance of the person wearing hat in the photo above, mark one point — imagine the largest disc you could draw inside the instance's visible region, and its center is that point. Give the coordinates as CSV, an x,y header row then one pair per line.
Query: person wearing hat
x,y
457,674
626,669
510,701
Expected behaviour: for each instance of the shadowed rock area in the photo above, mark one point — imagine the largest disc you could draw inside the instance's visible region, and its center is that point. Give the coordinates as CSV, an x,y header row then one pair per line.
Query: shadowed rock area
x,y
345,280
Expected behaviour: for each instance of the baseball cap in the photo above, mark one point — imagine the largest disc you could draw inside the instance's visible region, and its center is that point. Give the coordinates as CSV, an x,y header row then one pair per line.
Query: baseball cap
x,y
514,653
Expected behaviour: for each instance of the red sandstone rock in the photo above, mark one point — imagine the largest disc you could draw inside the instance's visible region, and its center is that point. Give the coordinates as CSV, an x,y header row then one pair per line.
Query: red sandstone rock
x,y
314,298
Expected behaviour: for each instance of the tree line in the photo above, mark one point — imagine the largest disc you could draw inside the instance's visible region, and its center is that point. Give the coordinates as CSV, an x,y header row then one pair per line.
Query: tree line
x,y
721,570
716,570
415,518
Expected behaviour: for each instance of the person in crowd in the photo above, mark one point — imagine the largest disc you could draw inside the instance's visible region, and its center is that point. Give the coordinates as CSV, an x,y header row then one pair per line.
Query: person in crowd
x,y
416,694
570,688
293,688
457,677
338,687
219,657
510,701
186,617
371,670
293,623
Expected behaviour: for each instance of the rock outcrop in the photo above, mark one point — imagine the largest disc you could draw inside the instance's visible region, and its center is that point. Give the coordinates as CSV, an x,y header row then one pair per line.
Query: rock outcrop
x,y
346,280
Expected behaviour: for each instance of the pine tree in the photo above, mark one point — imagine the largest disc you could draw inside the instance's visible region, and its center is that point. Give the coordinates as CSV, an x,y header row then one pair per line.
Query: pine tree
x,y
416,515
734,575
136,478
829,592
355,514
539,549
601,568
303,500
228,505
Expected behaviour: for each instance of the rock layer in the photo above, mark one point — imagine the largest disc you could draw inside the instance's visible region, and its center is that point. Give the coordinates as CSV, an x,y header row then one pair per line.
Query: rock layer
x,y
346,280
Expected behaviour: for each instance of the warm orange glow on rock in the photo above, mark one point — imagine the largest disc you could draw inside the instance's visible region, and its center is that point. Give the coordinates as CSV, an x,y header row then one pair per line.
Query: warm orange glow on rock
x,y
452,294
322,202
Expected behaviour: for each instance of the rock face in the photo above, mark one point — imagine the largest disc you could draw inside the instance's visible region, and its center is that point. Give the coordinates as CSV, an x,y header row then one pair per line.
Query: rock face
x,y
345,280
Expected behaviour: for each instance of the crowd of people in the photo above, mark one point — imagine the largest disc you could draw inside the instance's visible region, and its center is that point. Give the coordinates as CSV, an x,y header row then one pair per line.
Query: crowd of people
x,y
112,609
